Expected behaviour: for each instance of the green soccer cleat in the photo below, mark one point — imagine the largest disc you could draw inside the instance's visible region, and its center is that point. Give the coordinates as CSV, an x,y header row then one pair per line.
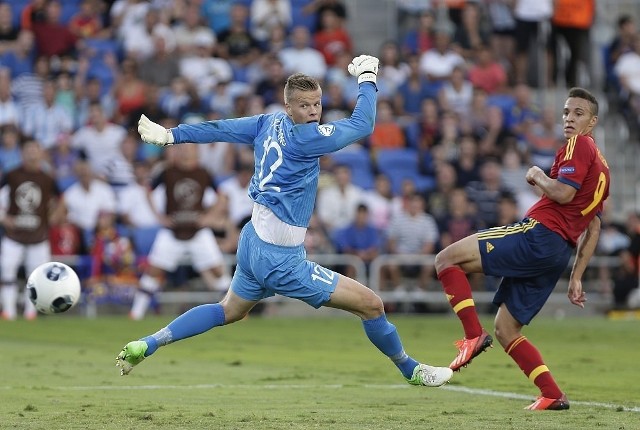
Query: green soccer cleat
x,y
131,355
430,376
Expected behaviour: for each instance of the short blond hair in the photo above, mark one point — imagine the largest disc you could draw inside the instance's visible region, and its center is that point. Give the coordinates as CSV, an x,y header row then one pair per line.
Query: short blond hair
x,y
299,82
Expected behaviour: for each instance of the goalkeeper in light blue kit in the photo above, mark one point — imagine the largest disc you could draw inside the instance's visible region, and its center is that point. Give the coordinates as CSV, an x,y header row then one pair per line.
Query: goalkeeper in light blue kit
x,y
271,258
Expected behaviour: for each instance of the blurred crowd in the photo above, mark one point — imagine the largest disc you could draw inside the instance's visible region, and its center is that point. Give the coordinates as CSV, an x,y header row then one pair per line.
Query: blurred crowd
x,y
458,122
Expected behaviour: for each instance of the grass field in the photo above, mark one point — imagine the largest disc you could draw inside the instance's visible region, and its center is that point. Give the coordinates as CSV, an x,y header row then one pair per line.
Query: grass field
x,y
318,373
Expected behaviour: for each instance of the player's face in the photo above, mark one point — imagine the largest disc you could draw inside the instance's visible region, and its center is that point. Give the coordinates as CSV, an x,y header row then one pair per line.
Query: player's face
x,y
305,106
577,117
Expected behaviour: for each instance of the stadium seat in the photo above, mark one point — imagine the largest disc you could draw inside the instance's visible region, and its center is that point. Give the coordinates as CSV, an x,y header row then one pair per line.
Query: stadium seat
x,y
359,161
143,238
401,164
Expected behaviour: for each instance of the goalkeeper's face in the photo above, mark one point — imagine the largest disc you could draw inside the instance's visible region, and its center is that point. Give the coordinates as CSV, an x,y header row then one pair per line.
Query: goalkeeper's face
x,y
304,106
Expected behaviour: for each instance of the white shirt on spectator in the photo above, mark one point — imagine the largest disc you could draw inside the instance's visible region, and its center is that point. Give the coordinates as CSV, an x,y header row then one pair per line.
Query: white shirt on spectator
x,y
307,60
9,113
205,72
134,203
411,233
84,206
439,65
337,209
266,14
240,204
627,68
99,145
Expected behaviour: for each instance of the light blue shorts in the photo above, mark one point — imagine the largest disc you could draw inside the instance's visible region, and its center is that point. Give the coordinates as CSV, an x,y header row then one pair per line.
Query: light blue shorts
x,y
264,270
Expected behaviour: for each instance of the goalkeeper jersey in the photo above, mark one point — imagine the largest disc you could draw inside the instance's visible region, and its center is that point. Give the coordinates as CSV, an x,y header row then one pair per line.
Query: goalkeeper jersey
x,y
286,155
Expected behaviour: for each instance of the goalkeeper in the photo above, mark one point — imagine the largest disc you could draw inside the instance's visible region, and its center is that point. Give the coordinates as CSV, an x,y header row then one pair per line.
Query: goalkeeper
x,y
271,258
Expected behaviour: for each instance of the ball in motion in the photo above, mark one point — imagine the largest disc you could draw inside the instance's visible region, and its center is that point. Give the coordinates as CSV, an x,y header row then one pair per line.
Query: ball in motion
x,y
53,288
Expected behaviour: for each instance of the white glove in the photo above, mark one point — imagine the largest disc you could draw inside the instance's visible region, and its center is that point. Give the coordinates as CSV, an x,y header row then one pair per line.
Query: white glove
x,y
154,133
365,68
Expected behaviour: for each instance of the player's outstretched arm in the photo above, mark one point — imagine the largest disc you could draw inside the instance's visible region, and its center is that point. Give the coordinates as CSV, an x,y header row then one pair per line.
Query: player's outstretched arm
x,y
586,247
153,133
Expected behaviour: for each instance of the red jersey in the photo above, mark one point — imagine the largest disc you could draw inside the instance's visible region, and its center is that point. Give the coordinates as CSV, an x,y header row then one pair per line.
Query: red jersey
x,y
579,164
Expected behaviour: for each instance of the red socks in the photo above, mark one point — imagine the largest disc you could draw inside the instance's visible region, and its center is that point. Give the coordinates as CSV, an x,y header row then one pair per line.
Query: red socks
x,y
458,290
528,358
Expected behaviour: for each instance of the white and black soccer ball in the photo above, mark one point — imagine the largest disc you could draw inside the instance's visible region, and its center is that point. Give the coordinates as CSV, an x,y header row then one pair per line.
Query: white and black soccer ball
x,y
53,288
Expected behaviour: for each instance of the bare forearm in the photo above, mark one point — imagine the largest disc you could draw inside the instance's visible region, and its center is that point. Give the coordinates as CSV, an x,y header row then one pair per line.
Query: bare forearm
x,y
586,247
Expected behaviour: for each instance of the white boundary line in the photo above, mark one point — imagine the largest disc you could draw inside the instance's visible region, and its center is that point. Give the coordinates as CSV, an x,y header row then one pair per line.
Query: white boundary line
x,y
456,388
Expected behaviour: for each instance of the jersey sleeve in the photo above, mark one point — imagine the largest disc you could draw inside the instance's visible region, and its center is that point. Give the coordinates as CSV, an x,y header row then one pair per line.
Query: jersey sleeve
x,y
236,130
320,139
574,166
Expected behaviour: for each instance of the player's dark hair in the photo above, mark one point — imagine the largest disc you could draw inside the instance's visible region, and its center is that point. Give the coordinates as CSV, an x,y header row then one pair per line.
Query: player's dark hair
x,y
299,82
581,93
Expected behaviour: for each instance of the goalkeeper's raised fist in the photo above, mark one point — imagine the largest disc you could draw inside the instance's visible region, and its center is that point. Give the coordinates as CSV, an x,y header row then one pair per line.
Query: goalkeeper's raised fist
x,y
365,68
154,133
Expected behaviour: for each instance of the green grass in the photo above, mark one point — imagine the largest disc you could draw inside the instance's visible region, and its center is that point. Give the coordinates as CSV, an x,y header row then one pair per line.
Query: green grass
x,y
319,373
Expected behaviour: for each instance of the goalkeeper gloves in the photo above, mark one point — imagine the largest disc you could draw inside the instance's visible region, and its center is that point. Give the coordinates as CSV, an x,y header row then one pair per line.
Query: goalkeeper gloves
x,y
365,68
154,133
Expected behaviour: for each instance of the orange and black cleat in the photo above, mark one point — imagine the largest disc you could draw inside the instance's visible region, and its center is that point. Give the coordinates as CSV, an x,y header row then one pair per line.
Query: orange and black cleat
x,y
469,348
546,404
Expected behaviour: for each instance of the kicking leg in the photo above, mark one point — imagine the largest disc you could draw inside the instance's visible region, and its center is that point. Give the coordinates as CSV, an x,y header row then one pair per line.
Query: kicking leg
x,y
191,323
354,297
452,265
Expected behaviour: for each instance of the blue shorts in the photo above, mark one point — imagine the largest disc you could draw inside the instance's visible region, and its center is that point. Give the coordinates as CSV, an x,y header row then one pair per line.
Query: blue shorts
x,y
264,270
530,258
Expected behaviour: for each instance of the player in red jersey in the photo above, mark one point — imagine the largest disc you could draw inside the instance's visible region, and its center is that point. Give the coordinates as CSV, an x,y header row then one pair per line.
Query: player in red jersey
x,y
532,254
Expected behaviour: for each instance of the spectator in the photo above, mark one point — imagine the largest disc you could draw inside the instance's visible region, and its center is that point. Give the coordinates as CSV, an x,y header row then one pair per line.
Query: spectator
x,y
627,69
85,199
34,12
543,137
235,190
301,57
622,43
317,8
162,66
134,205
438,62
503,25
10,151
130,91
8,31
271,87
460,220
487,73
265,15
19,58
9,114
438,199
456,93
27,87
393,71
387,133
470,35
86,22
128,17
99,139
138,42
530,16
53,38
333,38
524,109
189,198
571,21
626,278
317,240
236,44
46,120
486,192
63,160
361,238
90,93
191,31
113,261
419,40
29,204
413,231
217,14
379,202
415,90
337,203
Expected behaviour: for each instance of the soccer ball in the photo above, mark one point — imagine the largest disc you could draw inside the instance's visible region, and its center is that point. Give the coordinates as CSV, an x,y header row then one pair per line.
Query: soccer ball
x,y
53,288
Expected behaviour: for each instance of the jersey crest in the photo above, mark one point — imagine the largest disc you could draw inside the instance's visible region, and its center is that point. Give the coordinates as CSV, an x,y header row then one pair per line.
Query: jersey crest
x,y
326,129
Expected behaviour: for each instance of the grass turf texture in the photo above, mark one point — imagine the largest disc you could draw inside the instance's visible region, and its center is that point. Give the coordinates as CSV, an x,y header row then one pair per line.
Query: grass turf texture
x,y
320,373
